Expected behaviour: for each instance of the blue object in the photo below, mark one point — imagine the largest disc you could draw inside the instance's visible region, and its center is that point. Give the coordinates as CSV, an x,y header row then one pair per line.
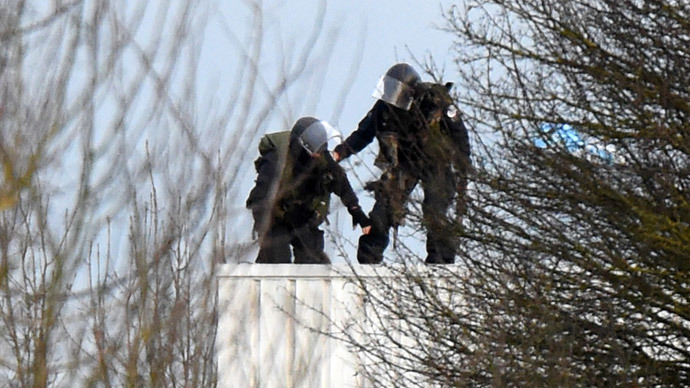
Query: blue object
x,y
572,140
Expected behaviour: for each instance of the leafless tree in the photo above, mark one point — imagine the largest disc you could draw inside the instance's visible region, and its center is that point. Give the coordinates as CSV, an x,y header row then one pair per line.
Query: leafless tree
x,y
121,161
574,270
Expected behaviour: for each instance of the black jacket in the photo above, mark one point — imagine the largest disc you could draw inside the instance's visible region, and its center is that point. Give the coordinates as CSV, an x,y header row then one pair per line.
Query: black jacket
x,y
430,134
301,188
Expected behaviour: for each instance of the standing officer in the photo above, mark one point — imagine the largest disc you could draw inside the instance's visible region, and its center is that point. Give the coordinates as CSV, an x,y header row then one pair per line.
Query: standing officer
x,y
421,138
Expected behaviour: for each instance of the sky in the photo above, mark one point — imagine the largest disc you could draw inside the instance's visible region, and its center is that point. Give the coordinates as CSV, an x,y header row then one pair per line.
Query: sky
x,y
359,41
389,31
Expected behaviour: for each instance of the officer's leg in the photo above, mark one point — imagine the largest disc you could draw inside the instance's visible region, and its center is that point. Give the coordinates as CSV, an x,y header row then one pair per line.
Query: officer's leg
x,y
307,244
372,245
438,197
275,246
391,196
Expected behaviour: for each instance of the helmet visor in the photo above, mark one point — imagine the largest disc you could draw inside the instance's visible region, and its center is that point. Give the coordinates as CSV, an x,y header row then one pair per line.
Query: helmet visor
x,y
394,92
319,136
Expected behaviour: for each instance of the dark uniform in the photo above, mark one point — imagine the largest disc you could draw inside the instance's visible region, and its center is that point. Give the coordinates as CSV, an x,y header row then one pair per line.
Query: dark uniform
x,y
427,143
291,199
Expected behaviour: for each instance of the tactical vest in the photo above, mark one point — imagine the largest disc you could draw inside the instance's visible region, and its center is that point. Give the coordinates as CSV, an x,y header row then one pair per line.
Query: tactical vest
x,y
289,197
422,134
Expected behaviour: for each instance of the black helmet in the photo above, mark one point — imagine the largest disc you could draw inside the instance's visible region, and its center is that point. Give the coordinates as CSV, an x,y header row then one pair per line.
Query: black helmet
x,y
313,135
403,73
397,86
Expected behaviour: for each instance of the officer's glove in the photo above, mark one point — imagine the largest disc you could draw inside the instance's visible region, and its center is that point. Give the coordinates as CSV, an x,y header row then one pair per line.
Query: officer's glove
x,y
461,199
340,152
460,207
359,217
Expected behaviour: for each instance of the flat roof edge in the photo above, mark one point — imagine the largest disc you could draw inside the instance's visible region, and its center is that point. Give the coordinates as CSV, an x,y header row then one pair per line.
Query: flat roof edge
x,y
321,271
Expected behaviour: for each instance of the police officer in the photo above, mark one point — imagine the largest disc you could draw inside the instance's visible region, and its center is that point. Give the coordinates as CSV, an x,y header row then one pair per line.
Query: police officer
x,y
421,139
296,175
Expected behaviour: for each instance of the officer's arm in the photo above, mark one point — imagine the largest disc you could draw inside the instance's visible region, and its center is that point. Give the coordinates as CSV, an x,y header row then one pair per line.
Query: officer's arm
x,y
265,186
363,135
458,130
342,188
460,137
462,160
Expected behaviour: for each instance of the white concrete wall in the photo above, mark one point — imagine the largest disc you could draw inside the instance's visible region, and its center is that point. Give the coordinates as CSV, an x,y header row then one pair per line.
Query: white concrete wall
x,y
270,319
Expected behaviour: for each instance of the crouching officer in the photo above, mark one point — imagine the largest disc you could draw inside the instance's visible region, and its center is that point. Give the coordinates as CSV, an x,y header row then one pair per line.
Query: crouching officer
x,y
290,200
421,138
